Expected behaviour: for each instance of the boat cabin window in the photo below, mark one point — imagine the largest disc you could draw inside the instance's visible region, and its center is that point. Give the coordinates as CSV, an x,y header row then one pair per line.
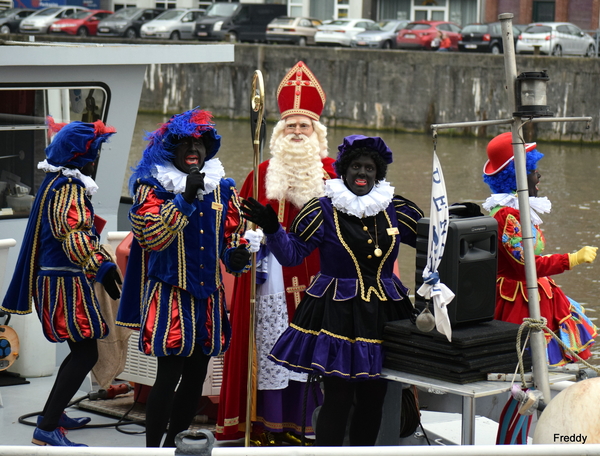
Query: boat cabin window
x,y
24,135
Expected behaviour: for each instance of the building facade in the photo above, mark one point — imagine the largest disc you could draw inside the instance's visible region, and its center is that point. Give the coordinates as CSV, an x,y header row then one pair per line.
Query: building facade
x,y
583,13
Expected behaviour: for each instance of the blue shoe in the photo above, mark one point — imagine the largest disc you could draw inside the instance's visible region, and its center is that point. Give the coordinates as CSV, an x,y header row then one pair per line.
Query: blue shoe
x,y
57,437
68,423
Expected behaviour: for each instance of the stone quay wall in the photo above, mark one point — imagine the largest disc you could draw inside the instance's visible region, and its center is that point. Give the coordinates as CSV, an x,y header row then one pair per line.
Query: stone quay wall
x,y
386,90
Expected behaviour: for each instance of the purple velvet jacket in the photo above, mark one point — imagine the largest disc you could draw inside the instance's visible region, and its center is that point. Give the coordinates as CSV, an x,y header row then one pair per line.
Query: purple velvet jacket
x,y
318,226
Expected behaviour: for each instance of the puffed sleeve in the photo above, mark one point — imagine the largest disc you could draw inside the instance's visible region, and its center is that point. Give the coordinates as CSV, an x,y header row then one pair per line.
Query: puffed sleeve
x,y
408,214
156,222
512,242
306,234
71,222
235,227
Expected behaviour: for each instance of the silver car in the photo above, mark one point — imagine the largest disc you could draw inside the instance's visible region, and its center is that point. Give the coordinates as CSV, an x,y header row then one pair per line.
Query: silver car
x,y
41,20
339,32
173,24
555,38
379,39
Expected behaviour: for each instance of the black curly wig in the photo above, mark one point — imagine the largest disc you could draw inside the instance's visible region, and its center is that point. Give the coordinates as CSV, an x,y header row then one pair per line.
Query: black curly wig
x,y
341,165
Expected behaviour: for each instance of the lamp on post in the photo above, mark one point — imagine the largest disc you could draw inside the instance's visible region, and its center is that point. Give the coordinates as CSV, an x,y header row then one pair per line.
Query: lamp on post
x,y
531,95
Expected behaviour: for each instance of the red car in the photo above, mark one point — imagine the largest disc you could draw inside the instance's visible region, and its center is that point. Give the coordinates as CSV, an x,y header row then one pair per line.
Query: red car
x,y
82,23
420,34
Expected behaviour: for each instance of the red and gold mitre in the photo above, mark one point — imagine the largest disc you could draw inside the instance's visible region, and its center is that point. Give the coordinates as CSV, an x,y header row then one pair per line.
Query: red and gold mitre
x,y
300,93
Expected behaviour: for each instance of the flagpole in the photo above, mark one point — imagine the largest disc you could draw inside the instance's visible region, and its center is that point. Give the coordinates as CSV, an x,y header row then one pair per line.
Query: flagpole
x,y
538,340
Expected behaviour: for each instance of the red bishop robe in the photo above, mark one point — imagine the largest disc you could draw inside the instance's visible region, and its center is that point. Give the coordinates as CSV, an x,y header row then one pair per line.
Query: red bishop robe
x,y
231,421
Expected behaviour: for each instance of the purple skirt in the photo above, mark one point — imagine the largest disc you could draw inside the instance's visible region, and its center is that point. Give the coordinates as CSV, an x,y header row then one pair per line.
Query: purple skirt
x,y
285,410
337,338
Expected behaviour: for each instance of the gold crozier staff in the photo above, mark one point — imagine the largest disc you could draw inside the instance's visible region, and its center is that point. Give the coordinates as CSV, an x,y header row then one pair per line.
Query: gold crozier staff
x,y
257,102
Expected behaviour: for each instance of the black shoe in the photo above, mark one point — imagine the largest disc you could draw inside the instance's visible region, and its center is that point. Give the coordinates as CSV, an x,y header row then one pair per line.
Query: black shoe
x,y
68,423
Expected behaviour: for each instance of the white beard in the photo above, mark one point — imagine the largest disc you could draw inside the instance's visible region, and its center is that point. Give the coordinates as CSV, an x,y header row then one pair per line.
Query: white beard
x,y
295,171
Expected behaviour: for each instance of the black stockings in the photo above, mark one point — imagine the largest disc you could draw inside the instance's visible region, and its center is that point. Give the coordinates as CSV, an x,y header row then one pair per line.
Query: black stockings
x,y
69,378
338,398
177,409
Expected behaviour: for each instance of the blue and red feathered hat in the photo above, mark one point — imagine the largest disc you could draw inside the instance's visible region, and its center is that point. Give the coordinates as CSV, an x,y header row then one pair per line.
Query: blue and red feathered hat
x,y
193,123
76,143
163,141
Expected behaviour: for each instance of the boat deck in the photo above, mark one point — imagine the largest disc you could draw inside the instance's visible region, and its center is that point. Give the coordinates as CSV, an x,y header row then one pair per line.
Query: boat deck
x,y
20,400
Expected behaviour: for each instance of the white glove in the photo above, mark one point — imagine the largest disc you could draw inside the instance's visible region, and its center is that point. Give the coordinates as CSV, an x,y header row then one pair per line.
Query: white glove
x,y
254,238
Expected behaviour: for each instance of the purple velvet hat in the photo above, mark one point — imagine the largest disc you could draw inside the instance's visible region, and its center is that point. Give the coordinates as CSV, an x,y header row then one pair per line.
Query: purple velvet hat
x,y
371,142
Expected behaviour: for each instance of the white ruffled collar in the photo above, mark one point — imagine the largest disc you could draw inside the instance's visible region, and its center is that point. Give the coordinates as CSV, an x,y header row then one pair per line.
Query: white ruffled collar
x,y
174,180
90,185
378,199
536,204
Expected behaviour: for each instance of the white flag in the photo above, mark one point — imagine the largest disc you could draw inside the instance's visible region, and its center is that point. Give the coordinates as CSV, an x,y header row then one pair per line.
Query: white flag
x,y
432,288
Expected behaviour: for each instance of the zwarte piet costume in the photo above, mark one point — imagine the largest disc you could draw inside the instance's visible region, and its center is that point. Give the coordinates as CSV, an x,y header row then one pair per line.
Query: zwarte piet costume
x,y
173,291
564,316
60,260
337,329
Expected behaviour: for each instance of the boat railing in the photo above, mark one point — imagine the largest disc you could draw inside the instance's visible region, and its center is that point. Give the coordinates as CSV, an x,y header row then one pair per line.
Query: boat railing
x,y
481,450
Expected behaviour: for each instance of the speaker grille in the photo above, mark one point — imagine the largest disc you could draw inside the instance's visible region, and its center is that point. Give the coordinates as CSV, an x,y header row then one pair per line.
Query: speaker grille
x,y
468,267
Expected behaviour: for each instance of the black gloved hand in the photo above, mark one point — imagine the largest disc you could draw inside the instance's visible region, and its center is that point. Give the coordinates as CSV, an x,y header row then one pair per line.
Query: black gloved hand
x,y
238,259
263,216
111,283
193,183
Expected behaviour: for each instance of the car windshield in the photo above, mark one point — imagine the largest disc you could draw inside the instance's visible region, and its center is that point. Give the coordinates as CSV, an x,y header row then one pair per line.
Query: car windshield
x,y
339,22
6,13
80,15
283,21
475,29
418,26
125,13
221,9
388,26
538,29
48,12
169,14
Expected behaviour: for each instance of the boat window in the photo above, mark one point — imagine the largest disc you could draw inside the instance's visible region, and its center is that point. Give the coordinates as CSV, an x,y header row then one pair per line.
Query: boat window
x,y
24,135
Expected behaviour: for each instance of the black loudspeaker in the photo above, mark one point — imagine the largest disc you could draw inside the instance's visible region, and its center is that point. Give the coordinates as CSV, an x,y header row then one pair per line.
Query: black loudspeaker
x,y
468,267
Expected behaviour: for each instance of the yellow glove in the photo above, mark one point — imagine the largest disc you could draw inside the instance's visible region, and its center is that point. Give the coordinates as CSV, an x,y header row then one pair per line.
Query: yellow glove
x,y
585,255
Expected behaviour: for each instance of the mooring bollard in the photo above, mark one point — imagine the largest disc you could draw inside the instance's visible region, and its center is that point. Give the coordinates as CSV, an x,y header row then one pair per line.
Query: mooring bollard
x,y
206,442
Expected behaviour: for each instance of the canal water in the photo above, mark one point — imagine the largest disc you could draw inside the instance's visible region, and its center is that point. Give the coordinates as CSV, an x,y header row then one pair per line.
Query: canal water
x,y
570,179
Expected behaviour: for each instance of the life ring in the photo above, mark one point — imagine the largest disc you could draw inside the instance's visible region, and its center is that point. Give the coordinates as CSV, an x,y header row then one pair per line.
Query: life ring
x,y
9,347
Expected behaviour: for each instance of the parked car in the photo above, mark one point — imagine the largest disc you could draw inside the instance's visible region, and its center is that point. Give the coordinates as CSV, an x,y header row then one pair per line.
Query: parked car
x,y
237,21
381,39
82,23
173,24
127,22
555,38
340,32
41,20
485,37
12,17
294,30
420,34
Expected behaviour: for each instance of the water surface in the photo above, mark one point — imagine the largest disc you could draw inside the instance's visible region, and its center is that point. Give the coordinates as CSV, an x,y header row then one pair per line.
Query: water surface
x,y
570,175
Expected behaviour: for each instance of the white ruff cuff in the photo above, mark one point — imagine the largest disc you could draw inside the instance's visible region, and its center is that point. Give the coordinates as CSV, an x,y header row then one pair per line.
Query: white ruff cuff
x,y
536,204
377,200
90,185
174,180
